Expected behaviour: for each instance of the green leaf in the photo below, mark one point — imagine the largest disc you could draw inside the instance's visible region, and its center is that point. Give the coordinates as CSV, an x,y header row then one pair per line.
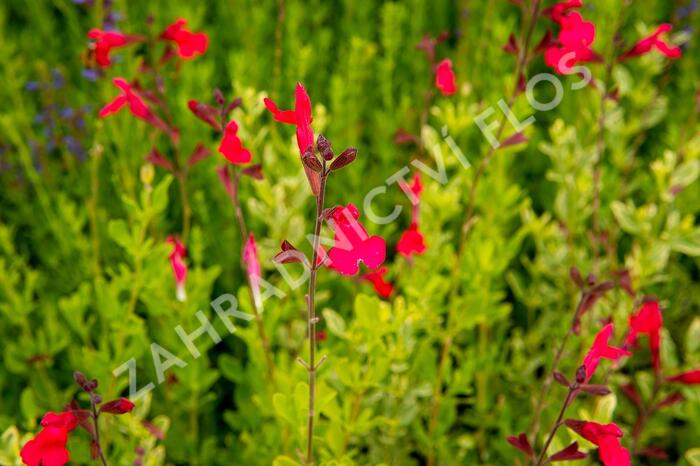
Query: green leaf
x,y
160,194
624,214
119,232
688,244
285,461
335,322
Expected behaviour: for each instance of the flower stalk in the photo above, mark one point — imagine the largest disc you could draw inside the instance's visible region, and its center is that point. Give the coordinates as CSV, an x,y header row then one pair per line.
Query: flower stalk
x,y
311,319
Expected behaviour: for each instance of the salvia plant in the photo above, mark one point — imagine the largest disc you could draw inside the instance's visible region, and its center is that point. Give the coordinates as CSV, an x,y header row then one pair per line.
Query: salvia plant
x,y
469,237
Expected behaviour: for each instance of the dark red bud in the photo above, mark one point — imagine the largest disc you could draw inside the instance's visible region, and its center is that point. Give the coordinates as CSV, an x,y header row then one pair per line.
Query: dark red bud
x,y
517,138
404,137
561,379
198,154
206,113
119,406
79,378
591,279
576,277
324,147
670,400
159,160
597,390
233,105
94,450
631,392
581,374
219,97
311,162
346,158
254,171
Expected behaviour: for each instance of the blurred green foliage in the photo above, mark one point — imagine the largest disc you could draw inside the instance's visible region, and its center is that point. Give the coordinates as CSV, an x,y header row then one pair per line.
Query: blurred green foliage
x,y
85,282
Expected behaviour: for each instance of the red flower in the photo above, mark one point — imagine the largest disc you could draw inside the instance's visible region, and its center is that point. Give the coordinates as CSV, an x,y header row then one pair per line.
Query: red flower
x,y
321,335
445,78
252,265
648,321
178,265
301,117
574,41
128,97
105,41
119,406
413,190
131,97
48,448
601,349
556,11
189,44
606,437
411,242
232,147
383,288
652,41
352,244
687,378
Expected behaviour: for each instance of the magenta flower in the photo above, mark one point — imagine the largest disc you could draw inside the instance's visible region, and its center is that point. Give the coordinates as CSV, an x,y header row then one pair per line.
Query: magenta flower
x,y
445,79
177,262
383,288
301,118
189,44
352,243
647,321
105,41
601,349
606,437
48,448
652,41
252,265
231,146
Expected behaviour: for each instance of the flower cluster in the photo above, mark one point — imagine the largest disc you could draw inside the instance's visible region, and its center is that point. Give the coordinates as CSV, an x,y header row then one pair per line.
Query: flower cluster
x,y
648,321
575,39
48,448
573,45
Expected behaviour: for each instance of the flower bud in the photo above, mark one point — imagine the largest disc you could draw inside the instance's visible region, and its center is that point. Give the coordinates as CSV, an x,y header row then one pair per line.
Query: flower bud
x,y
581,374
119,406
310,160
324,147
147,173
346,158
